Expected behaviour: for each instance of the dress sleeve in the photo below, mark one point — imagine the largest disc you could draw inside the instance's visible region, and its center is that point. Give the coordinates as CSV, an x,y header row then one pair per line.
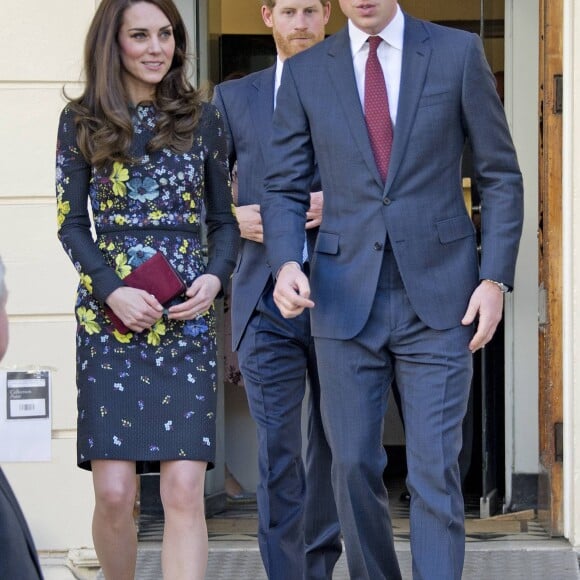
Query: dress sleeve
x,y
223,233
73,176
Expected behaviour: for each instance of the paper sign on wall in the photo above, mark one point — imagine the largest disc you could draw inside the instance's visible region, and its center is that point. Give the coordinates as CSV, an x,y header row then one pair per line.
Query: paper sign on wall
x,y
25,421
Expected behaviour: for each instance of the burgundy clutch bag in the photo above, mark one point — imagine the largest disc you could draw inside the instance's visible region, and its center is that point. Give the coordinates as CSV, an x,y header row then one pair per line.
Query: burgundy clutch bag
x,y
155,276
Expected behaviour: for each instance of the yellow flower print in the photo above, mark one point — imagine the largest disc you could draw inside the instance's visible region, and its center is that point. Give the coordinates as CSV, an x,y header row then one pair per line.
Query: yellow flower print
x,y
119,175
110,247
124,338
186,196
120,220
87,282
87,320
62,209
183,247
156,215
192,218
155,334
122,268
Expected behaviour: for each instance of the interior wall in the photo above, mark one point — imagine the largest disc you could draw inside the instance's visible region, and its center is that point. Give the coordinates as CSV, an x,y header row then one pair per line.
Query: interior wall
x,y
243,17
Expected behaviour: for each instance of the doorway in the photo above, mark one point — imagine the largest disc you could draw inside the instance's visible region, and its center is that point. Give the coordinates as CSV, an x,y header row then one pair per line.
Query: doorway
x,y
496,435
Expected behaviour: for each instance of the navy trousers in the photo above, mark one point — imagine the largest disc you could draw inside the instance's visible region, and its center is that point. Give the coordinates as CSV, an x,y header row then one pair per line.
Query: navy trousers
x,y
433,371
298,530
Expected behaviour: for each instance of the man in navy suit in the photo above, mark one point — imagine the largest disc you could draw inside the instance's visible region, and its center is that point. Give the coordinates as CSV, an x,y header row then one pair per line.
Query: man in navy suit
x,y
395,289
18,557
298,530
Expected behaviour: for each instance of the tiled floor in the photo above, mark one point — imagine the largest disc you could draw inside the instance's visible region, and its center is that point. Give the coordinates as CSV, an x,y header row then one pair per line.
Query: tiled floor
x,y
497,549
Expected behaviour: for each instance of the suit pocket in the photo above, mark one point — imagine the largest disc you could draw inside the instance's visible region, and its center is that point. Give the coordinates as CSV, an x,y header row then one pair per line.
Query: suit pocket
x,y
326,243
434,99
455,229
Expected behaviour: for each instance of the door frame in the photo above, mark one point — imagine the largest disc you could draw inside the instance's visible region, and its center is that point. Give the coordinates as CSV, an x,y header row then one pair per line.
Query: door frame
x,y
550,222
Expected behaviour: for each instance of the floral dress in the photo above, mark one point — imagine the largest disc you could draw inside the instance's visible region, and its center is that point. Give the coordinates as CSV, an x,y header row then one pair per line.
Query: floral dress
x,y
148,396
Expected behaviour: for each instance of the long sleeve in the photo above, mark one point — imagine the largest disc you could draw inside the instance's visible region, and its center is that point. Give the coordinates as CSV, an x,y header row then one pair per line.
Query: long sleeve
x,y
223,231
73,180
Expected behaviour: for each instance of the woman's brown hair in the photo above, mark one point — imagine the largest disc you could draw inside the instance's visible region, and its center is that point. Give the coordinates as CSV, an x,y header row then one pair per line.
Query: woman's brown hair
x,y
103,118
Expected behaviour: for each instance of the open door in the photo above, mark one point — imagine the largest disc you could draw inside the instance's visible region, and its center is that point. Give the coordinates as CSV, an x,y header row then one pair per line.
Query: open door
x,y
550,492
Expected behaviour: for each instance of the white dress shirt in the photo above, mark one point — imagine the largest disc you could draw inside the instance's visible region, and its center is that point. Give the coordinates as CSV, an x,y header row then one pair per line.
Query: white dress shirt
x,y
390,53
278,77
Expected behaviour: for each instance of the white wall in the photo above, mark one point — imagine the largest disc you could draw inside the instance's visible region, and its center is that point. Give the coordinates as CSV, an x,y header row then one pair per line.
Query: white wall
x,y
41,46
571,271
521,319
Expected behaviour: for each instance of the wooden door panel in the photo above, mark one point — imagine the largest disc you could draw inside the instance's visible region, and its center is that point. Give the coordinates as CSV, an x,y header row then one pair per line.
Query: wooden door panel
x,y
550,268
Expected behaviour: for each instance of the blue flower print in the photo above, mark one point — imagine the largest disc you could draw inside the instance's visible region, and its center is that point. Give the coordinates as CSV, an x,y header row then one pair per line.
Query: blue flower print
x,y
195,328
145,189
139,254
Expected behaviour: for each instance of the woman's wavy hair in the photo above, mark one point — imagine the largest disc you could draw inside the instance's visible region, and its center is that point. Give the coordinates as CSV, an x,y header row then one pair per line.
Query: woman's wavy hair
x,y
103,118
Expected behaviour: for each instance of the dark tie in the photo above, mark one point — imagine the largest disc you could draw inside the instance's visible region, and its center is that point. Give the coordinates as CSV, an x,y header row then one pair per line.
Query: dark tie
x,y
376,106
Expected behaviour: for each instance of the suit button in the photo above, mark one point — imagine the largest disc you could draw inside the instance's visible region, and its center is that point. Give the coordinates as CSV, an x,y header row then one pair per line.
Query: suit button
x,y
378,246
386,201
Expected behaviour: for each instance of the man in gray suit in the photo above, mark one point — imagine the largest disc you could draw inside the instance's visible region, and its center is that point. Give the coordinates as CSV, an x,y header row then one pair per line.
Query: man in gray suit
x,y
18,557
298,530
395,290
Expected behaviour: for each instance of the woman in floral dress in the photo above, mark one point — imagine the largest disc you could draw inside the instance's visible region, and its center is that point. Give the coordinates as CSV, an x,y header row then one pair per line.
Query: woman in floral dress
x,y
142,150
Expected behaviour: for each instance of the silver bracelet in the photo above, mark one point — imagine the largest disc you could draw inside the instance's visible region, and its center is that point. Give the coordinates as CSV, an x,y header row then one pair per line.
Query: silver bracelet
x,y
503,288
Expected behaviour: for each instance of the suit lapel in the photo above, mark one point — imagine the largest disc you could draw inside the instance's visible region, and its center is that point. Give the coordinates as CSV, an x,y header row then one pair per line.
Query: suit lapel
x,y
416,57
261,106
341,73
10,498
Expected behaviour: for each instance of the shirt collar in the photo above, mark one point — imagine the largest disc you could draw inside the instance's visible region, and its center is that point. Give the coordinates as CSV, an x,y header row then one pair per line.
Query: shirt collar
x,y
393,34
278,75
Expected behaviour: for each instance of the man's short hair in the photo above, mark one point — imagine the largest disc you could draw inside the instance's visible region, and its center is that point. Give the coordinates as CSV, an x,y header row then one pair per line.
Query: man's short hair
x,y
271,3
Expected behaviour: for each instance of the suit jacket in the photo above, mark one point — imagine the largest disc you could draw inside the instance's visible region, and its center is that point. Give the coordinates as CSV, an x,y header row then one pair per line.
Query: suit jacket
x,y
247,106
447,93
18,557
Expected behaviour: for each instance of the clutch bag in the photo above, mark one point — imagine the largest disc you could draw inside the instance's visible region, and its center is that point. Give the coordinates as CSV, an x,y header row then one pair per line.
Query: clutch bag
x,y
155,276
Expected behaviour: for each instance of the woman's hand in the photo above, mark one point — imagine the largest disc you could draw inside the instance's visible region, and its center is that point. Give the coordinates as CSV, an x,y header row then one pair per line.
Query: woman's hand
x,y
138,309
200,296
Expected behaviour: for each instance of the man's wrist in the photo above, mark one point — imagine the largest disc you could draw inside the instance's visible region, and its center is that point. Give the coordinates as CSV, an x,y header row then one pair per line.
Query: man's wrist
x,y
289,263
503,288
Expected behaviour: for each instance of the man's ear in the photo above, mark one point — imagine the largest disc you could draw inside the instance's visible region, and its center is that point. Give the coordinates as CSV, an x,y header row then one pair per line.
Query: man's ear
x,y
326,9
267,16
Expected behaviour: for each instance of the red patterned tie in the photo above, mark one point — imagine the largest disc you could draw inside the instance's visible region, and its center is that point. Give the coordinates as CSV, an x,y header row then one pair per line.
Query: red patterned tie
x,y
376,107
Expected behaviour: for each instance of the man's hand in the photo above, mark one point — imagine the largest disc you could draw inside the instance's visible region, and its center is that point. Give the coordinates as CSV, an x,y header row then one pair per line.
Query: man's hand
x,y
250,222
314,213
292,291
487,302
